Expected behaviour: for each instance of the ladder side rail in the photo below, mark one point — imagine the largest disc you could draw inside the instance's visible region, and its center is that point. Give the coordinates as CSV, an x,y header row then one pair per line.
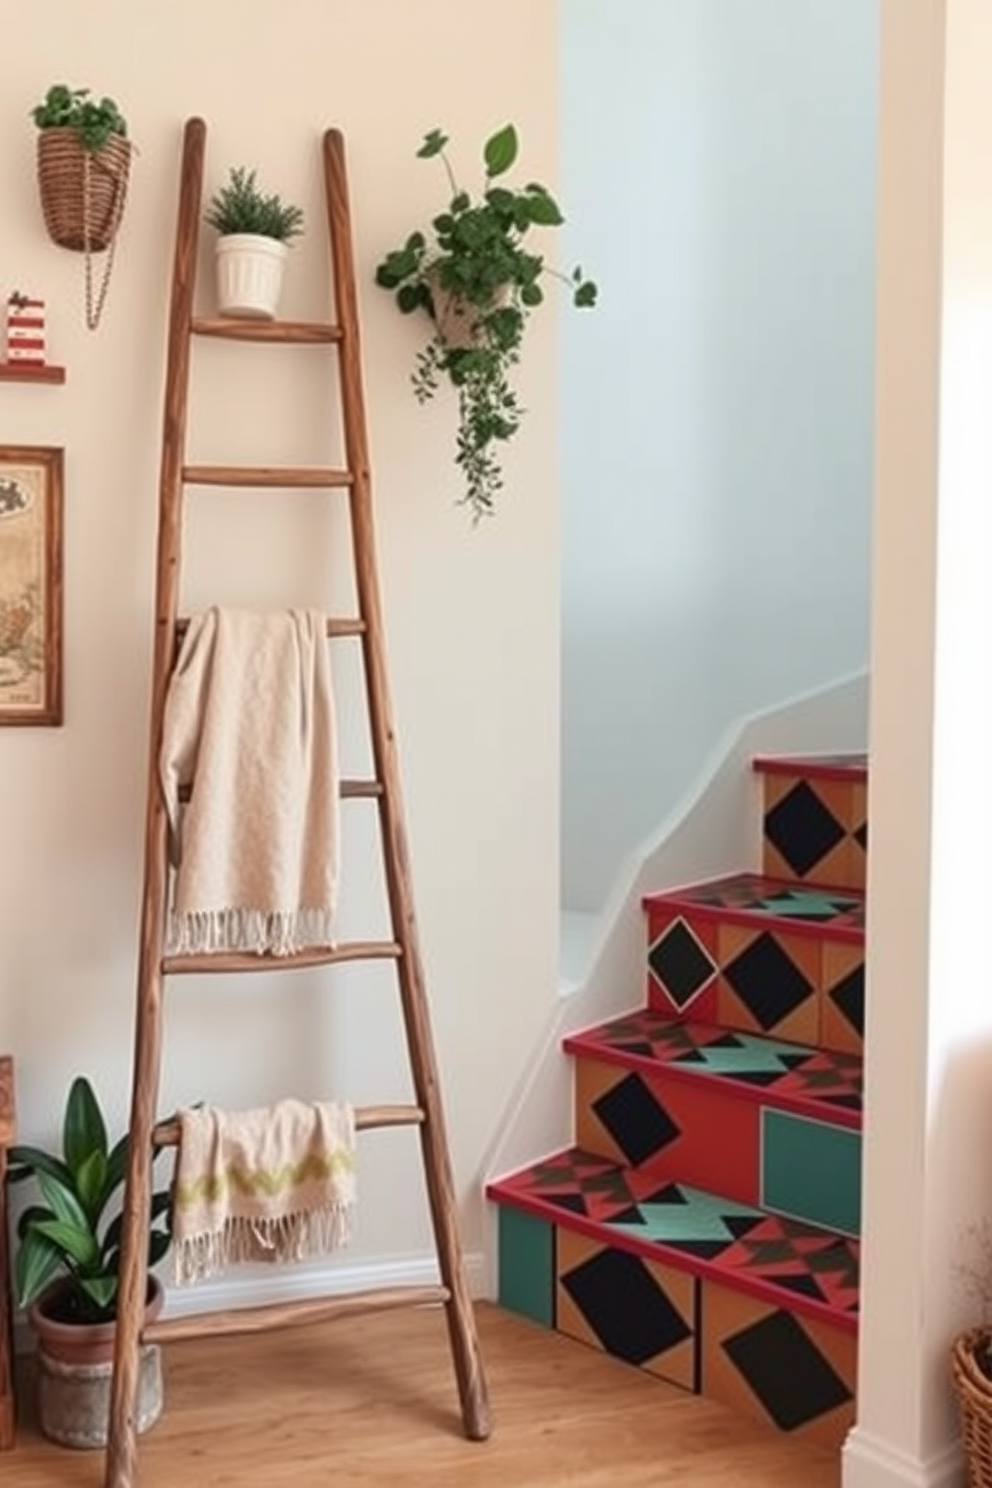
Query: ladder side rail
x,y
396,859
122,1446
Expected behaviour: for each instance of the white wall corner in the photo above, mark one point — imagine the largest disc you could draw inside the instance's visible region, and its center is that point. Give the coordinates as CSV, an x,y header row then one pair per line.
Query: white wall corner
x,y
869,1462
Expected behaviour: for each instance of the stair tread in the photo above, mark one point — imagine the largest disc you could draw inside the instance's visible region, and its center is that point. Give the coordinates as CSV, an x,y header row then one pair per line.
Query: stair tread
x,y
844,765
748,897
822,1083
801,1267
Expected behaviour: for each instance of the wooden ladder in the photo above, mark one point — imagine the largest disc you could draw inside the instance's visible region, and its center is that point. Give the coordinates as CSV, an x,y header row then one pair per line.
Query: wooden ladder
x,y
154,968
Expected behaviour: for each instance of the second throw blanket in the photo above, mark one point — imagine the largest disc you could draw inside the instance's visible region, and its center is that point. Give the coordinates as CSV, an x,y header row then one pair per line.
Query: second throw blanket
x,y
273,1184
249,724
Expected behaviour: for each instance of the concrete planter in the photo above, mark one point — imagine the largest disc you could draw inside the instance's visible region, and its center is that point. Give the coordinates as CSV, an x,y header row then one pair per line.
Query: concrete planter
x,y
75,1365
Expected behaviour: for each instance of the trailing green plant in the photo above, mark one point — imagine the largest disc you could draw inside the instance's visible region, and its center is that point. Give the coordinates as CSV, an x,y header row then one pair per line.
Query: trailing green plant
x,y
75,1233
477,278
240,206
93,120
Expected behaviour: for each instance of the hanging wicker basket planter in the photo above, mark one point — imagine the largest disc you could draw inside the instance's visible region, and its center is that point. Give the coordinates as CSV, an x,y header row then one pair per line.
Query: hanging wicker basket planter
x,y
83,193
973,1388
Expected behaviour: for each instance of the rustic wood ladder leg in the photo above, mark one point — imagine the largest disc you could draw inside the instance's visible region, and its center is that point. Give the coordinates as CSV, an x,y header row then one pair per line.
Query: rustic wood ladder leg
x,y
154,969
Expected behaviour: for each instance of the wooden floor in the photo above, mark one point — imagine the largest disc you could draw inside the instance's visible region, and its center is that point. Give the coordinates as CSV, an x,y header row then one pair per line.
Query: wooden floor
x,y
371,1404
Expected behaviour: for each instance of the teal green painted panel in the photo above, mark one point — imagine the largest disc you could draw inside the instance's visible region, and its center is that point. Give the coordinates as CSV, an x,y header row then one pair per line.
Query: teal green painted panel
x,y
527,1265
811,1170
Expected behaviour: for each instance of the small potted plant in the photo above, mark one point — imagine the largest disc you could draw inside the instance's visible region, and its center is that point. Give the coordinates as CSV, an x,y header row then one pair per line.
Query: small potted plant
x,y
254,233
66,1273
477,278
84,163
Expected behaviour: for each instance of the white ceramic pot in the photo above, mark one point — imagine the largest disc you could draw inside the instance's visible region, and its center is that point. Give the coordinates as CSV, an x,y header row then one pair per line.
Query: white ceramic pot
x,y
249,275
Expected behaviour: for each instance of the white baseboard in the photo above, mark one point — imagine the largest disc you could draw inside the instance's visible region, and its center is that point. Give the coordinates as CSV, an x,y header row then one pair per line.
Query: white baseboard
x,y
869,1462
257,1286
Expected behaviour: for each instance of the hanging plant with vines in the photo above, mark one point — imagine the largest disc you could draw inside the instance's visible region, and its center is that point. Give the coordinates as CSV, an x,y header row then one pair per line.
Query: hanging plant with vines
x,y
477,276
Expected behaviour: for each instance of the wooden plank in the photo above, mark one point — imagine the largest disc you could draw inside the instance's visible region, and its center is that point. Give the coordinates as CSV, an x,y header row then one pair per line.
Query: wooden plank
x,y
25,372
243,1320
336,628
367,1118
392,823
292,332
348,790
353,950
312,477
122,1456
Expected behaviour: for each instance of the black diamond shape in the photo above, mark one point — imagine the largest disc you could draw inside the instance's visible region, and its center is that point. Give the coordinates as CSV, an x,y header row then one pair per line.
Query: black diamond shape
x,y
680,964
848,996
802,829
787,1372
861,835
634,1119
767,981
625,1307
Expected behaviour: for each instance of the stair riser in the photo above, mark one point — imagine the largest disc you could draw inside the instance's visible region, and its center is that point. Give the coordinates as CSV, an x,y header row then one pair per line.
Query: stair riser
x,y
699,1132
814,830
795,1373
759,978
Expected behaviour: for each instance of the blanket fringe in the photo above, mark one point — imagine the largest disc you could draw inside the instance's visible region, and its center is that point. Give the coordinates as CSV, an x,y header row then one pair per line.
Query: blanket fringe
x,y
289,1237
255,931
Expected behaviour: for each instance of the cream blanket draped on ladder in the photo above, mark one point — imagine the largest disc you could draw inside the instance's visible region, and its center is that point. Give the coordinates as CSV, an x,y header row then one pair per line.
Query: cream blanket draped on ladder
x,y
274,1184
249,724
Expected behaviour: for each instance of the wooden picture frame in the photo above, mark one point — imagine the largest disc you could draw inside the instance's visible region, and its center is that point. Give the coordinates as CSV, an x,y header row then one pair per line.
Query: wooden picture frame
x,y
31,496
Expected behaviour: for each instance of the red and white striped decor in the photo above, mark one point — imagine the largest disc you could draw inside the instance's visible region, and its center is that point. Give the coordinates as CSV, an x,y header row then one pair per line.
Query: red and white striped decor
x,y
25,329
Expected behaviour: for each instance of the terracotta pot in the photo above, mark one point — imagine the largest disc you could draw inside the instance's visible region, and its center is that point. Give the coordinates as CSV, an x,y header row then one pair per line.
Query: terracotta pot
x,y
75,1365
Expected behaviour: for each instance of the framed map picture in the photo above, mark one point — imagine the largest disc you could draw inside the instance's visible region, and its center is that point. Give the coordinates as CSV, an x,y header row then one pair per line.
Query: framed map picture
x,y
30,584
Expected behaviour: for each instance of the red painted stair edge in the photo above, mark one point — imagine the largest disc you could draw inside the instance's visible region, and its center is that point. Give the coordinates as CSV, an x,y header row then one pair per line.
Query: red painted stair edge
x,y
658,1251
581,1044
681,898
851,766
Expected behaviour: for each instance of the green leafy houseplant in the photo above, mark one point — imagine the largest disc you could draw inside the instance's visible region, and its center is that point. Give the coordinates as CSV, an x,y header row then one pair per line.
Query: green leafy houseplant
x,y
239,206
70,1243
477,278
93,120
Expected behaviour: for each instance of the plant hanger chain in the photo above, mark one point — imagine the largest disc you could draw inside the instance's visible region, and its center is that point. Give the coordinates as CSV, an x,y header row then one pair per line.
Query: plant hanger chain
x,y
94,308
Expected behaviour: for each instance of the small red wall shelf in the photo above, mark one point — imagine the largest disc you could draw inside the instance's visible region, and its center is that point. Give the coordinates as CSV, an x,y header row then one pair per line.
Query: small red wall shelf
x,y
30,372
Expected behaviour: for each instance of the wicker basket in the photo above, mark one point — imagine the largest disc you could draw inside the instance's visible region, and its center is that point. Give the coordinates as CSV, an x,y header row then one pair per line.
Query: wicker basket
x,y
974,1392
82,191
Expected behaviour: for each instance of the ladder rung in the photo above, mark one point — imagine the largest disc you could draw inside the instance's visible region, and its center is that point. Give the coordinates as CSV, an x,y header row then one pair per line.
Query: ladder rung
x,y
349,790
290,1314
355,789
367,1118
344,627
312,332
355,950
318,477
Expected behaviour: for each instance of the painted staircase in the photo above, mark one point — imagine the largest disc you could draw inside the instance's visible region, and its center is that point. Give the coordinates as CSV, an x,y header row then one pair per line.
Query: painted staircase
x,y
704,1225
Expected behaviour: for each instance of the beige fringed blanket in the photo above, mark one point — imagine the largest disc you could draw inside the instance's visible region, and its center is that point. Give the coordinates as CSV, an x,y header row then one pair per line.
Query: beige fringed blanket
x,y
274,1184
249,722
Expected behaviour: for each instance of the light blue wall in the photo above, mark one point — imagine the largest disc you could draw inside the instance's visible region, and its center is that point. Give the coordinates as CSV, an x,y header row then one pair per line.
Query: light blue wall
x,y
718,174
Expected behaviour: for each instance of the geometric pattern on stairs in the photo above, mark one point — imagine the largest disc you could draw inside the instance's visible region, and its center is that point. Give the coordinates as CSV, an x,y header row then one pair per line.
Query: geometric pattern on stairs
x,y
793,1373
796,976
757,895
765,1253
815,821
703,1225
635,1309
831,1078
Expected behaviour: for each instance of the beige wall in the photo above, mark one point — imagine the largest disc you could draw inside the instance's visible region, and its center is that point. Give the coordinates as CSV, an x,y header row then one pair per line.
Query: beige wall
x,y
472,614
